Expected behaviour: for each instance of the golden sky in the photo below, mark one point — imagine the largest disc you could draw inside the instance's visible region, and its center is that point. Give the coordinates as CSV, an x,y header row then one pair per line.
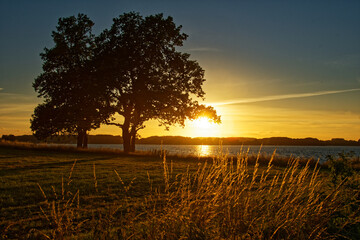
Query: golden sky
x,y
271,68
258,118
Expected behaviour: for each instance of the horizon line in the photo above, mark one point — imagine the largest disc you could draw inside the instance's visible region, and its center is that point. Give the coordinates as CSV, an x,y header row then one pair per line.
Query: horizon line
x,y
111,135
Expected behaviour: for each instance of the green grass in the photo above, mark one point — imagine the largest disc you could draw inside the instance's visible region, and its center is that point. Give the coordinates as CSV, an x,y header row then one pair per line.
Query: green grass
x,y
62,193
21,170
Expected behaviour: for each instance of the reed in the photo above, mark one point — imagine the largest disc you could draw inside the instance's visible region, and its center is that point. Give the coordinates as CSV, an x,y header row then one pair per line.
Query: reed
x,y
60,212
223,199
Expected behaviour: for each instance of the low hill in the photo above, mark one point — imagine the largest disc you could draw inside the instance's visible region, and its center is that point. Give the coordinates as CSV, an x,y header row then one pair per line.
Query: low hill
x,y
179,140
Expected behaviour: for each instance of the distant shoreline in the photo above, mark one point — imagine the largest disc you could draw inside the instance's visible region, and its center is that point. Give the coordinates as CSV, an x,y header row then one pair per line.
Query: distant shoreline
x,y
179,140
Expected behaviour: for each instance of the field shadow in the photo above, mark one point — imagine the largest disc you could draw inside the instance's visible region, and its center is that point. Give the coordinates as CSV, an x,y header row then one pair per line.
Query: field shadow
x,y
11,171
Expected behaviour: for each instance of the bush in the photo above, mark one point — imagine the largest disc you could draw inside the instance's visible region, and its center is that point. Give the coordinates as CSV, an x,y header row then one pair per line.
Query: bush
x,y
10,138
340,168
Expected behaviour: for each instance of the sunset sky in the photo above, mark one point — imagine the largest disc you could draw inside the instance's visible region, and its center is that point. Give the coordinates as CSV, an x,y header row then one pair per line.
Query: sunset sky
x,y
272,68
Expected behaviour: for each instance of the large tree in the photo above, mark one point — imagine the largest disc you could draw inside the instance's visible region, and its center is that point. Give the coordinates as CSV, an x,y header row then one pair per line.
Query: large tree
x,y
147,77
73,97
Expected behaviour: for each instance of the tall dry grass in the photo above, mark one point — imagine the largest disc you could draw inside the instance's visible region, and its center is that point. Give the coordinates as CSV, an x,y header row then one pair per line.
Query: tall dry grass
x,y
61,211
227,200
224,199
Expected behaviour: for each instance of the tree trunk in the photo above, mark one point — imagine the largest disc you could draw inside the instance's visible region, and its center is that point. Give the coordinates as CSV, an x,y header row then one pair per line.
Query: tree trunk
x,y
126,140
126,135
132,141
85,139
134,131
80,138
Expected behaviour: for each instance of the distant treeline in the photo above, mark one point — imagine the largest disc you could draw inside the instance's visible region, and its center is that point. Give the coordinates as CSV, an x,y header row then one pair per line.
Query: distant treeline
x,y
178,140
66,139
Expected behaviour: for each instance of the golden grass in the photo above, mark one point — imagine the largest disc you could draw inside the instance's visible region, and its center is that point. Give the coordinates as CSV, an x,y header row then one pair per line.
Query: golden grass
x,y
222,199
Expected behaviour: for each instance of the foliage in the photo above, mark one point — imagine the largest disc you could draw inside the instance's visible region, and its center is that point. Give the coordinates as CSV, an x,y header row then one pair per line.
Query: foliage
x,y
340,168
146,75
133,69
49,120
9,137
73,97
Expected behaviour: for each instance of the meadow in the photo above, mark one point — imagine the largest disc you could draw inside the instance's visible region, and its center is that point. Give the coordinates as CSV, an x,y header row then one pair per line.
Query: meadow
x,y
62,193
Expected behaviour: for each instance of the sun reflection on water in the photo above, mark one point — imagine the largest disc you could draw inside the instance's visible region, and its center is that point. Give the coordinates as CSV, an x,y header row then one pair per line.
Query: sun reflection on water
x,y
203,150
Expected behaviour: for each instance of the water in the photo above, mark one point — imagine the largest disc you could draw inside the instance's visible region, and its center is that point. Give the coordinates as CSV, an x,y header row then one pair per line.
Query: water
x,y
316,152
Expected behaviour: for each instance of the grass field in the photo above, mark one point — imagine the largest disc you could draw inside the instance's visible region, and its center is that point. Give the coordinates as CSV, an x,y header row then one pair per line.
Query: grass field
x,y
68,194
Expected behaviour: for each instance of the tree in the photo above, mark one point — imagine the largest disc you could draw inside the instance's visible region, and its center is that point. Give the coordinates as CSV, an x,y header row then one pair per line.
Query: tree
x,y
147,77
48,120
9,137
74,100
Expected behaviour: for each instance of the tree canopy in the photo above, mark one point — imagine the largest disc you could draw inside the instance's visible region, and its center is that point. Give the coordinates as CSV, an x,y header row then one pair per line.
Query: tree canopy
x,y
73,97
134,69
147,77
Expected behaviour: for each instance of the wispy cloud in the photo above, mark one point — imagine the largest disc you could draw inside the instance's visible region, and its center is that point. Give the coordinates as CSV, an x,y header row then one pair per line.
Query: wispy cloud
x,y
281,97
204,49
17,97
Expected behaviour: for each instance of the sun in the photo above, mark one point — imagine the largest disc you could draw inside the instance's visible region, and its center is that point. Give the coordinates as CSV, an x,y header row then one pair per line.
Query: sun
x,y
202,122
203,127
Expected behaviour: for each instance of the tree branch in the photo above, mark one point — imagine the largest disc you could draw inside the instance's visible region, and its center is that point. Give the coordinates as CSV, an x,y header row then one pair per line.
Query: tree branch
x,y
113,123
139,128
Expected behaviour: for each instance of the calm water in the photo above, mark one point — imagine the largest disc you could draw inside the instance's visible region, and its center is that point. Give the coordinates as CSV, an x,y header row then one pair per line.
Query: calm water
x,y
210,150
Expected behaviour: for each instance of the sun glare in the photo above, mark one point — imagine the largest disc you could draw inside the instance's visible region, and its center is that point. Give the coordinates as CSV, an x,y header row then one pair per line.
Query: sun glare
x,y
203,150
202,122
203,127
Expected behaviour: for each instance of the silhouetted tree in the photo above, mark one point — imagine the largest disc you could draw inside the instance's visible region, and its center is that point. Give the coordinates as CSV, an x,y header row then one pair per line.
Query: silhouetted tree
x,y
10,137
48,120
146,75
73,97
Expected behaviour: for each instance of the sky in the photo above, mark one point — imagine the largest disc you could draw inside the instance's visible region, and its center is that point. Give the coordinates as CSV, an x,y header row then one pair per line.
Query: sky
x,y
272,68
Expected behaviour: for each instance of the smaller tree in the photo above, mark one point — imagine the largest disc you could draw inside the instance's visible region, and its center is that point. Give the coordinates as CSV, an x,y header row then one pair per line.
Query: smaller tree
x,y
47,120
10,138
74,99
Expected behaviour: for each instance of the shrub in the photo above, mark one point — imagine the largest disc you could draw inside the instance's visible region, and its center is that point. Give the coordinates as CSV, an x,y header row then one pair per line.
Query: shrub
x,y
340,168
